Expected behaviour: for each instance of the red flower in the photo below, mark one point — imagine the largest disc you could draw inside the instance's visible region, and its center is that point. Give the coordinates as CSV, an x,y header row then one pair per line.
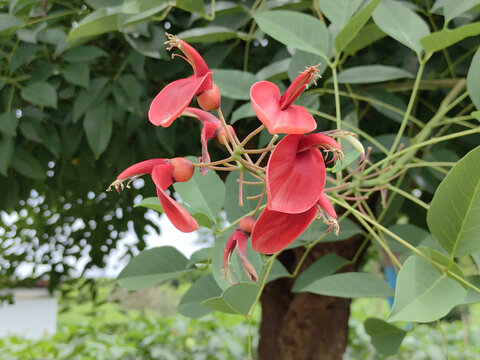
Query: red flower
x,y
296,172
175,97
238,242
295,182
164,173
276,112
212,128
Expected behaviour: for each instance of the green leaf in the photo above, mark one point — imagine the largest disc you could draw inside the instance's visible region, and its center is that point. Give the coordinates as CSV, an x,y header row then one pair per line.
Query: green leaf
x,y
6,153
454,213
40,93
300,31
473,296
27,165
134,11
275,71
150,203
413,234
452,9
347,229
197,193
350,285
324,266
192,6
356,23
24,54
386,337
389,99
83,54
401,23
349,159
443,261
446,37
367,36
242,112
236,299
200,256
210,34
278,271
339,11
98,123
234,84
201,290
301,60
9,22
86,98
127,91
8,123
98,22
422,293
77,74
372,74
473,79
151,267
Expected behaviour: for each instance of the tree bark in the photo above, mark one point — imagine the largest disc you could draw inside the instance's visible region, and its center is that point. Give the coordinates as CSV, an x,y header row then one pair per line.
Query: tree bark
x,y
305,326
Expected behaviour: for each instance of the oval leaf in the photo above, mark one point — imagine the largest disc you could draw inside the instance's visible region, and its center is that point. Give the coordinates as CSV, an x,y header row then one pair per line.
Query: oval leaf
x,y
473,80
454,214
372,74
385,337
201,290
40,93
234,84
446,37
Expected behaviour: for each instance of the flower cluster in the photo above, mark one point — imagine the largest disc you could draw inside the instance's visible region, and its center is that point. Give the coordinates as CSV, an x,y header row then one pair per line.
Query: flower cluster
x,y
294,177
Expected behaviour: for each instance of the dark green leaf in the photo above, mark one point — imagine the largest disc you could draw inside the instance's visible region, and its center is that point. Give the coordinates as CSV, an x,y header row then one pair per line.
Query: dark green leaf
x,y
98,125
8,123
6,152
86,98
24,54
137,11
77,74
98,22
40,93
367,36
151,203
83,54
454,214
127,92
473,80
301,60
152,267
386,337
242,112
193,6
27,165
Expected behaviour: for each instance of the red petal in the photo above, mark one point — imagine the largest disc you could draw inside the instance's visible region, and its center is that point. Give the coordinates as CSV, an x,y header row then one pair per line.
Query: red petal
x,y
180,218
174,99
144,167
274,231
295,119
317,140
325,203
237,239
199,65
294,181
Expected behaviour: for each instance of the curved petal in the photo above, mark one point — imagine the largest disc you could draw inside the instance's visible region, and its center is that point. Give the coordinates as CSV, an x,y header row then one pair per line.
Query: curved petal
x,y
294,181
237,239
265,97
180,218
274,231
325,203
174,99
318,140
203,116
143,167
294,119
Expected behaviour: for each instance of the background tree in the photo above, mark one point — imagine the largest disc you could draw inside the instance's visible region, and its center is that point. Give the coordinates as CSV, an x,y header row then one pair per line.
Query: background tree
x,y
78,77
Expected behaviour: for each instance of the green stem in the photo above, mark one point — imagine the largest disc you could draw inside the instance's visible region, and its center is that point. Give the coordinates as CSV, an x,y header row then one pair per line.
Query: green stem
x,y
408,196
338,115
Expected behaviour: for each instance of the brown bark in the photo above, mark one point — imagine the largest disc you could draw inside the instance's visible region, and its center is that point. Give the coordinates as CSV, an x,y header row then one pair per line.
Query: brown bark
x,y
305,326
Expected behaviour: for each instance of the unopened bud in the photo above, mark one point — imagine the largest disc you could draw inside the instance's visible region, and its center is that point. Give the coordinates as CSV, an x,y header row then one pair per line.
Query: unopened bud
x,y
246,224
209,100
182,169
221,134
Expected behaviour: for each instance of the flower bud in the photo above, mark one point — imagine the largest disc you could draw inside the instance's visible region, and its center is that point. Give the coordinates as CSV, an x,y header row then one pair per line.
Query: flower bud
x,y
220,133
246,224
182,169
209,100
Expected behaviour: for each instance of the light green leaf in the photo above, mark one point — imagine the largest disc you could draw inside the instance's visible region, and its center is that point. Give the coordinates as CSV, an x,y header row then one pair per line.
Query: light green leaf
x,y
40,93
473,296
353,27
278,271
386,337
137,11
150,203
301,60
401,23
452,9
473,80
367,36
9,22
151,267
197,193
83,54
275,71
446,37
201,290
242,112
300,31
423,294
454,213
234,84
413,234
236,299
192,6
77,74
347,229
339,11
200,256
372,74
98,22
27,165
349,159
324,266
350,285
210,34
98,123
443,261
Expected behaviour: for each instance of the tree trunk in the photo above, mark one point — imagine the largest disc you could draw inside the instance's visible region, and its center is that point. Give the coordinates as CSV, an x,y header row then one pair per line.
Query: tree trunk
x,y
305,326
